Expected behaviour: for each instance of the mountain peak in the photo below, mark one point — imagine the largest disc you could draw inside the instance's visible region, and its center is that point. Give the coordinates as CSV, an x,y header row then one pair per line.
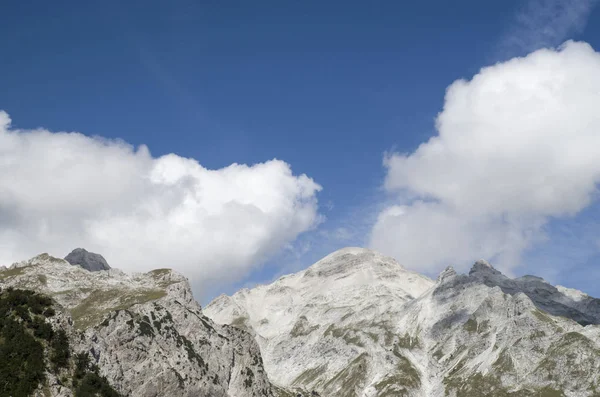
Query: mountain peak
x,y
446,274
483,262
345,252
360,267
351,259
483,266
87,260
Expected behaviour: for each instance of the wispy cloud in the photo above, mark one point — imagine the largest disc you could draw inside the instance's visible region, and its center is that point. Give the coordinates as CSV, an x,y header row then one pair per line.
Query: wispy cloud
x,y
544,23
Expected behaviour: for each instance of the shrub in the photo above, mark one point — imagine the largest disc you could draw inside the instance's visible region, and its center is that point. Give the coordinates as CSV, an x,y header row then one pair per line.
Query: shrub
x,y
60,350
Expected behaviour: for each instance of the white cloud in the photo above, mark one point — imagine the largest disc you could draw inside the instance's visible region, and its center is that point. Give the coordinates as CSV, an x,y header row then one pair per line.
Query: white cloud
x,y
517,145
546,23
59,191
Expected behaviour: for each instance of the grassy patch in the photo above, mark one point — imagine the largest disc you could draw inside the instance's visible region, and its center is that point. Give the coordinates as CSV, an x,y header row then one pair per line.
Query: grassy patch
x,y
49,258
400,383
563,360
540,315
537,334
349,335
479,385
504,363
470,325
281,392
158,273
93,309
302,328
240,322
17,271
310,375
408,342
374,337
350,380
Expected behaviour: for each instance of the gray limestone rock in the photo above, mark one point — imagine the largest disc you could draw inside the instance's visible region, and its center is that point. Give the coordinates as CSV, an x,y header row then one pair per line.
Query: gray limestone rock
x,y
87,260
144,331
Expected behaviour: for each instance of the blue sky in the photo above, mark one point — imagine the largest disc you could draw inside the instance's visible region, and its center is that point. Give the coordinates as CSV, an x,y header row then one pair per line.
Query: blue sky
x,y
327,87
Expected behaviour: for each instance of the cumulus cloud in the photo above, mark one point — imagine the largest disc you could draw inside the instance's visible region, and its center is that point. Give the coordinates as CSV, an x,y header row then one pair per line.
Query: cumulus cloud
x,y
517,145
546,23
62,190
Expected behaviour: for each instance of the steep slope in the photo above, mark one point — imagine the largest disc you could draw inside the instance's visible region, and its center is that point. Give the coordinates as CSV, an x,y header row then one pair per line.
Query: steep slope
x,y
321,328
145,332
35,351
358,324
476,340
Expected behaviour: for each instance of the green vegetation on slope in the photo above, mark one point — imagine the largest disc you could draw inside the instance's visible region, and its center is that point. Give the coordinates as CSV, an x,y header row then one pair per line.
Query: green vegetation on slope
x,y
87,381
479,385
401,382
24,335
572,357
349,335
302,328
310,375
350,380
93,309
8,273
30,348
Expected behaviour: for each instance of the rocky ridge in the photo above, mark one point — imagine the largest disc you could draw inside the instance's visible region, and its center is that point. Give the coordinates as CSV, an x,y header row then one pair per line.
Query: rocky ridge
x,y
145,332
359,324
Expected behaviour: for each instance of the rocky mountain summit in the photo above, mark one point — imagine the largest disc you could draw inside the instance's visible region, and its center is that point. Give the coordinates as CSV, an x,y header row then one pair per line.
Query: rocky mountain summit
x,y
144,333
87,260
358,324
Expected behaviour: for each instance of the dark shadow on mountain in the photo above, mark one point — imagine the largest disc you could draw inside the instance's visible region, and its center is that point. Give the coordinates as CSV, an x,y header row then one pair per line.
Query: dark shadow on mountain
x,y
449,322
585,310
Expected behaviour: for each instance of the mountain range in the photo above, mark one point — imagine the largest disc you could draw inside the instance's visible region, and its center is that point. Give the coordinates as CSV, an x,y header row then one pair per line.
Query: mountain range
x,y
356,323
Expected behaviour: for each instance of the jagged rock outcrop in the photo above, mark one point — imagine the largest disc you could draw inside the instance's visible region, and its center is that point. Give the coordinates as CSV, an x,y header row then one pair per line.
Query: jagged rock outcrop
x,y
558,301
87,260
145,332
358,324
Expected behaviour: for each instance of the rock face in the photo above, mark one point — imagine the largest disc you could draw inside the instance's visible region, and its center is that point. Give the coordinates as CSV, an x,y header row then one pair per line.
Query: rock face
x,y
87,260
558,301
146,333
358,324
329,328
